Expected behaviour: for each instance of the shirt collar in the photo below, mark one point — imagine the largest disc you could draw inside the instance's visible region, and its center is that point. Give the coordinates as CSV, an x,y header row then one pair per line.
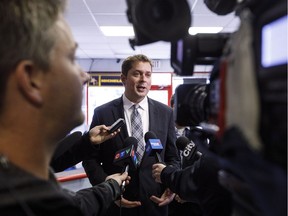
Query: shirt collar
x,y
128,104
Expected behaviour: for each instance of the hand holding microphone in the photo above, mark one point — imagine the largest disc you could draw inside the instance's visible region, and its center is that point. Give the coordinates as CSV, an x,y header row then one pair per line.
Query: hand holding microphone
x,y
154,148
126,157
189,151
120,178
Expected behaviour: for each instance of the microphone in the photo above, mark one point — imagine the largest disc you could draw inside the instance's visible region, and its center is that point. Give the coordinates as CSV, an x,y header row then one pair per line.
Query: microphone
x,y
127,157
153,146
66,143
63,147
189,151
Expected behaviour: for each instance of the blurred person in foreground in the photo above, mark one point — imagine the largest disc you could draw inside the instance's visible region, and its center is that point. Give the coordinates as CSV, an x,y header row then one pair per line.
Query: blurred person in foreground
x,y
41,95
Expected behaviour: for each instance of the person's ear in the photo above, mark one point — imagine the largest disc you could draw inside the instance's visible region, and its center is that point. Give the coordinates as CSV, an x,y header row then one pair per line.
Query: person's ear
x,y
123,78
30,80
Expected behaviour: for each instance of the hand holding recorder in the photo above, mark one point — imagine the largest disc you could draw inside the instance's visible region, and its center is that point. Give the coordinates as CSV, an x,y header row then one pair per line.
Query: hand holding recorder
x,y
101,133
116,125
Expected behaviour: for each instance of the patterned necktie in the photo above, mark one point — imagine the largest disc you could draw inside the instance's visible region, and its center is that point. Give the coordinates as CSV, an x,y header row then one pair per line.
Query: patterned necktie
x,y
137,130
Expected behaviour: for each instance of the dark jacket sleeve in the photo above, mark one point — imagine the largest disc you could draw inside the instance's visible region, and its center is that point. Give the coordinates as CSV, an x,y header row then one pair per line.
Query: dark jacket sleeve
x,y
200,179
179,181
97,199
203,173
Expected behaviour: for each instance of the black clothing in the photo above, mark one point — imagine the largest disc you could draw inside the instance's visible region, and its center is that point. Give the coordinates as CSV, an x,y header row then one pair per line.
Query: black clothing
x,y
72,150
259,186
191,208
201,179
186,208
24,194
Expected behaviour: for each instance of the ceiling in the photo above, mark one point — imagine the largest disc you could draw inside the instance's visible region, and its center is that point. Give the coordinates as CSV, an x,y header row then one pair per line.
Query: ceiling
x,y
85,17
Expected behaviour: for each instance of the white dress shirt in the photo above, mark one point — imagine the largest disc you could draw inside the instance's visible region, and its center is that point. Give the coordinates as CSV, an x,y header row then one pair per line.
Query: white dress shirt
x,y
143,110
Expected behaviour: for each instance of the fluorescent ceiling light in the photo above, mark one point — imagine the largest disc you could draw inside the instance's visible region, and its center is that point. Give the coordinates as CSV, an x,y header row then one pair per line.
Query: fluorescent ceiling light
x,y
127,31
119,31
196,30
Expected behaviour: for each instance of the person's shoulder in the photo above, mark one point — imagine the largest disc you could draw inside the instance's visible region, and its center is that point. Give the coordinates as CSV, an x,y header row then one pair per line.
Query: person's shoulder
x,y
159,104
41,196
116,102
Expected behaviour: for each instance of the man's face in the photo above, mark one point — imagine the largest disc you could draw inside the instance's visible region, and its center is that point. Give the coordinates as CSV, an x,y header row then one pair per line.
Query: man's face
x,y
65,81
137,83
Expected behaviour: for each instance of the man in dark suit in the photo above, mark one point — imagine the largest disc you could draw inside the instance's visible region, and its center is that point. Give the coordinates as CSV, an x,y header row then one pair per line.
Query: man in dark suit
x,y
143,196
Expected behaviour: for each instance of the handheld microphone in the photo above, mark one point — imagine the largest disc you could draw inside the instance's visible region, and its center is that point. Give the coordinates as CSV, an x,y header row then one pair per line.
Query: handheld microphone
x,y
127,157
65,143
153,146
64,147
189,151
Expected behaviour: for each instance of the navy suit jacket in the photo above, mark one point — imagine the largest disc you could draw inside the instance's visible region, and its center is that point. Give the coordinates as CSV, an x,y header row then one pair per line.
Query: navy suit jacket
x,y
142,184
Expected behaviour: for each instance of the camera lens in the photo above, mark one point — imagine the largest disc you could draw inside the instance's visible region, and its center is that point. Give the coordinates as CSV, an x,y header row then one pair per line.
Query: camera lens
x,y
197,97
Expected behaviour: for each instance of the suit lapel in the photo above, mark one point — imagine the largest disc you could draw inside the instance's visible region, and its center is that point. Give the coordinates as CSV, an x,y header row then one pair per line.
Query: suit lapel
x,y
153,116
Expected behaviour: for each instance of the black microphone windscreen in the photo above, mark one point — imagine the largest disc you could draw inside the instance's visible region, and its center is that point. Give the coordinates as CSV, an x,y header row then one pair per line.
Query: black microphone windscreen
x,y
130,141
150,135
182,142
66,143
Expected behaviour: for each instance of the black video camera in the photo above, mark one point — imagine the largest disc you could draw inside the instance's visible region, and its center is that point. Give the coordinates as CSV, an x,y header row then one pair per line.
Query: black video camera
x,y
198,103
199,49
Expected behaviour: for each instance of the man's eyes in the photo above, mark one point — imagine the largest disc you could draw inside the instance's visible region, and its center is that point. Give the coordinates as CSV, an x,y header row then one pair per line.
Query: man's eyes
x,y
136,74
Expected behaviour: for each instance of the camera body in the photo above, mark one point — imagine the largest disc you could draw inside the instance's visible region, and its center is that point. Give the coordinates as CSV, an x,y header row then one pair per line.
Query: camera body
x,y
199,49
190,104
152,20
199,103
